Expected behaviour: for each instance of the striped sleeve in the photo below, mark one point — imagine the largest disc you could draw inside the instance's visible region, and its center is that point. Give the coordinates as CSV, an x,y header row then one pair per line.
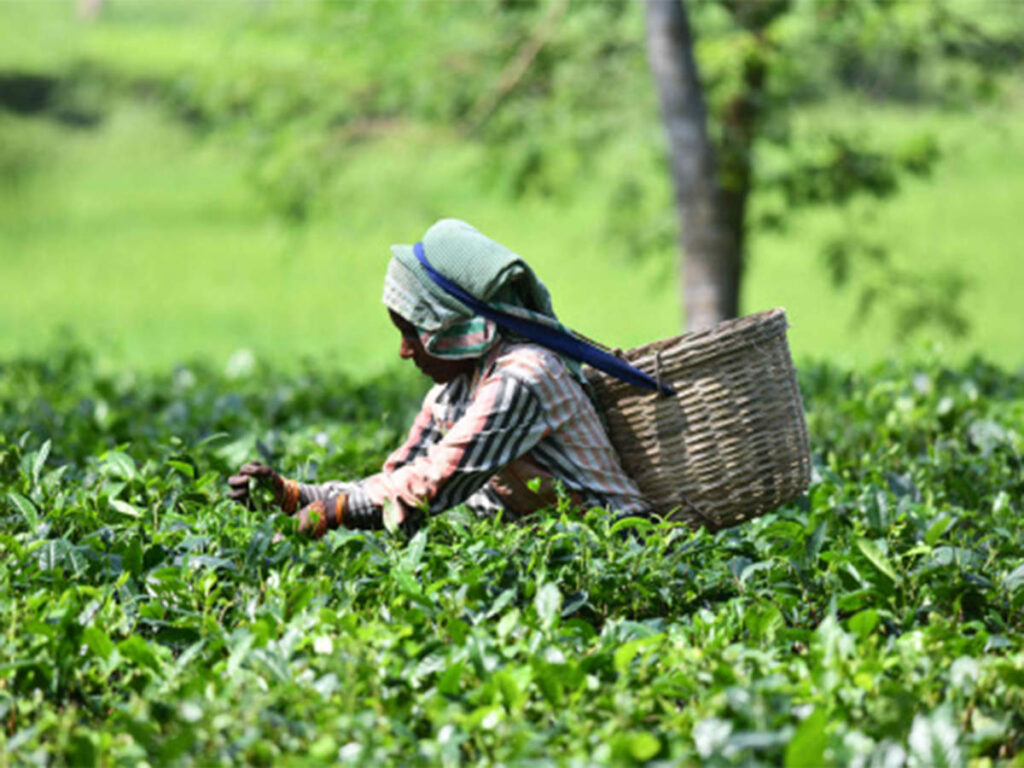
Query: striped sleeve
x,y
504,420
310,492
422,434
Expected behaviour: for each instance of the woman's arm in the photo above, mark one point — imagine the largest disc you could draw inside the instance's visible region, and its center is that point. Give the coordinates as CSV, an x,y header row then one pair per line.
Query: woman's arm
x,y
422,435
291,495
504,420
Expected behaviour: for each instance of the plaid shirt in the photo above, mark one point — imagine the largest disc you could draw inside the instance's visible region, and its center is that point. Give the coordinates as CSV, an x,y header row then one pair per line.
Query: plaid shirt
x,y
503,439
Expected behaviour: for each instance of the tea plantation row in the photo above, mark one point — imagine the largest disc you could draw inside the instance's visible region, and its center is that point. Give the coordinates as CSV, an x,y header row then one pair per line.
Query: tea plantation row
x,y
144,618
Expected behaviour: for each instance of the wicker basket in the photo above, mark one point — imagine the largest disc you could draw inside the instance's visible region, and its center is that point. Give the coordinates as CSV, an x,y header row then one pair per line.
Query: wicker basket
x,y
732,443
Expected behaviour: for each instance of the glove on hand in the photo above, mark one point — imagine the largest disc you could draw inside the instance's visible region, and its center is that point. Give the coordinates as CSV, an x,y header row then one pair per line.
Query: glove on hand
x,y
286,492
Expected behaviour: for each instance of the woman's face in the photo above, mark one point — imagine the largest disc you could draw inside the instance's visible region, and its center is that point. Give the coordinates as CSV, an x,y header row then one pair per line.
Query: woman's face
x,y
440,370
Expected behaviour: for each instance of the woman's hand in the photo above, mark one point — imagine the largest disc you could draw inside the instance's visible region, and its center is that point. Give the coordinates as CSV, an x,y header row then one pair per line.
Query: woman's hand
x,y
313,519
319,517
285,491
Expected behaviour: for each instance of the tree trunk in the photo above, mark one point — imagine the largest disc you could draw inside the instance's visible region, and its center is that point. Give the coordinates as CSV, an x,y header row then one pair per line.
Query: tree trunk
x,y
711,248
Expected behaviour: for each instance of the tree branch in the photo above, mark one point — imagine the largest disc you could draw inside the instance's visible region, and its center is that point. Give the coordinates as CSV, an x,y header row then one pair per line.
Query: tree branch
x,y
517,66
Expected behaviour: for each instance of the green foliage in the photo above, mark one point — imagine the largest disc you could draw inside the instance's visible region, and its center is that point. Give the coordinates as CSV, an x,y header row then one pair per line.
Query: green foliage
x,y
21,154
146,618
945,52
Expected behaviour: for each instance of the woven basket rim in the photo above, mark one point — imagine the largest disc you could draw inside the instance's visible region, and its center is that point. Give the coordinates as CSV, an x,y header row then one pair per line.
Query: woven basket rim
x,y
726,337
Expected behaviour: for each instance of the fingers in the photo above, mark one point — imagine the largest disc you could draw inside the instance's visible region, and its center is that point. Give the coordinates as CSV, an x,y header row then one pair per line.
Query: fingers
x,y
286,494
239,485
255,469
263,474
252,470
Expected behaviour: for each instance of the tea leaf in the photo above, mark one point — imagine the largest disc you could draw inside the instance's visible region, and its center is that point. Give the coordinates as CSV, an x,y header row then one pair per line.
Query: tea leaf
x,y
25,507
877,558
548,604
125,508
807,747
40,461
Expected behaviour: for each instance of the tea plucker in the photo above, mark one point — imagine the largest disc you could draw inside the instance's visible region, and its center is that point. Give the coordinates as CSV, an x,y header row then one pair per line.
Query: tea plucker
x,y
508,421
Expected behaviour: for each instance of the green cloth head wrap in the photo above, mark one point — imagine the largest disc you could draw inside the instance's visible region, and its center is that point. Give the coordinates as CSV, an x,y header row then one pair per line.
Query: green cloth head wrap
x,y
483,268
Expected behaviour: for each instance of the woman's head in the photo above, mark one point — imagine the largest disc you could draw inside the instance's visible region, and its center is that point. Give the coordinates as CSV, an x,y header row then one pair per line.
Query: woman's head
x,y
437,368
437,327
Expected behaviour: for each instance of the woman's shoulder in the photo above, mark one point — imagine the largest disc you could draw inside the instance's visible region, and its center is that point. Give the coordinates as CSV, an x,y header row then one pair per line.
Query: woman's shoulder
x,y
528,363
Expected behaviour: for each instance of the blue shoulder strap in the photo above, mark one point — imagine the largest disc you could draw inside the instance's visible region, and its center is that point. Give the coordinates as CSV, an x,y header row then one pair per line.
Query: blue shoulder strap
x,y
553,339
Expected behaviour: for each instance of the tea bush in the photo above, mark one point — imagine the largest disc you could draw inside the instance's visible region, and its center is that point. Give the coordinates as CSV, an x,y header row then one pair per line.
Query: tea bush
x,y
878,621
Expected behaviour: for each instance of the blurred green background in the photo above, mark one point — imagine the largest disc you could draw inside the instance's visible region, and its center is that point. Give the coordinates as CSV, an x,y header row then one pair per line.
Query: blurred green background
x,y
184,180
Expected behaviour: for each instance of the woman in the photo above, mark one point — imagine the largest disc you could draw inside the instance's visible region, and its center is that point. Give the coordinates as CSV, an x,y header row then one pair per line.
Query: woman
x,y
508,422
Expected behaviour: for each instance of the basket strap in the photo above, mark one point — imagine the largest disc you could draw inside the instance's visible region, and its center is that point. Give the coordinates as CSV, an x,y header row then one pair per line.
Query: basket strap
x,y
553,339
